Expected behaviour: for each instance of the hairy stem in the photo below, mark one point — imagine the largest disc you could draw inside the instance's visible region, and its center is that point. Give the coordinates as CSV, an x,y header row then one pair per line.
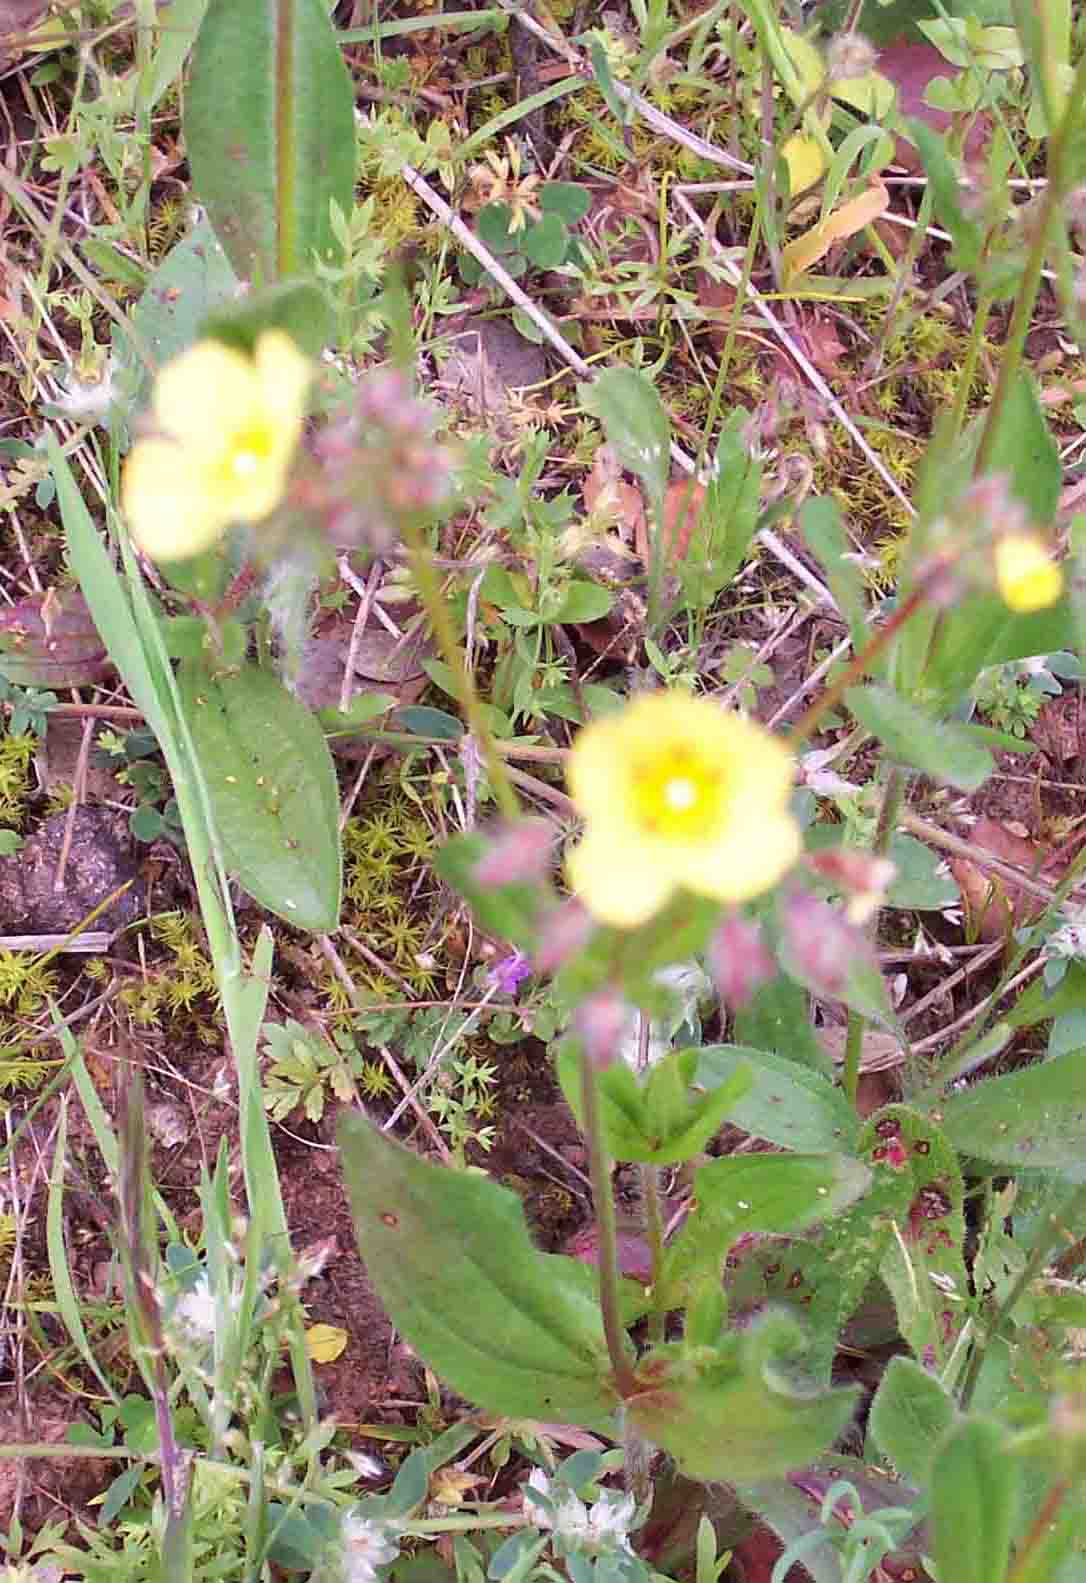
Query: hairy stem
x,y
603,1198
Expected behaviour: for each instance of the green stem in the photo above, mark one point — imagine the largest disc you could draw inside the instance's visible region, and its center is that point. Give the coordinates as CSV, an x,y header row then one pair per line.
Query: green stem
x,y
892,795
857,667
654,1232
468,698
1038,1257
1060,174
969,368
603,1198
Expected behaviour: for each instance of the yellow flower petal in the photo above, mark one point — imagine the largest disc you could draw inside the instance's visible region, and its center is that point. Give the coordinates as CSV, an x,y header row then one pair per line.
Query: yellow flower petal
x,y
165,504
236,422
741,868
1026,575
676,792
617,884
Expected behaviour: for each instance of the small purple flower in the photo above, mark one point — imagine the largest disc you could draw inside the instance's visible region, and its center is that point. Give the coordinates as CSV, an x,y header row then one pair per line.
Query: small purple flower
x,y
509,974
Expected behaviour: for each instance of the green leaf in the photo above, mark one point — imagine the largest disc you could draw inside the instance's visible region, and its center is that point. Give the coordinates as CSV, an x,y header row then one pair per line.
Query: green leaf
x,y
1038,1003
492,228
1033,1117
723,528
755,1192
268,171
112,264
821,525
272,787
425,721
662,1122
968,234
635,422
512,912
175,38
545,243
943,751
604,80
779,1019
567,199
297,307
922,1262
918,884
974,1482
449,1254
194,278
584,602
981,631
738,1415
1025,449
301,1536
786,1104
910,1411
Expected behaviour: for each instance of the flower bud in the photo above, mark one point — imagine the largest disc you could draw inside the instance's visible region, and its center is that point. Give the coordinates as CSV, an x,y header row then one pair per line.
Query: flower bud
x,y
564,931
601,1022
860,876
519,853
822,945
739,961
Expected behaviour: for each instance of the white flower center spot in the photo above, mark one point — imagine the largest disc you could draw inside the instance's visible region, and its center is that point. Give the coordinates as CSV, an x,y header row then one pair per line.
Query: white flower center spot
x,y
680,793
245,463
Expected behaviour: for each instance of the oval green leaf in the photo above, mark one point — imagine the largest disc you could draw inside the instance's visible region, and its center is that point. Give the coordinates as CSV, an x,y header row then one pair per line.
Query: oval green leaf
x,y
272,787
268,171
449,1254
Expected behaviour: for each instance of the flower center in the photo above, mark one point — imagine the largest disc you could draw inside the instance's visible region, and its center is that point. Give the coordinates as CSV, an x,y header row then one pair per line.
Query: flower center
x,y
677,795
247,453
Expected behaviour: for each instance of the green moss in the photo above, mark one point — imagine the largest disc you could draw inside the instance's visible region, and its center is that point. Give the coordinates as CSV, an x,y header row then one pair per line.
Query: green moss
x,y
178,987
15,756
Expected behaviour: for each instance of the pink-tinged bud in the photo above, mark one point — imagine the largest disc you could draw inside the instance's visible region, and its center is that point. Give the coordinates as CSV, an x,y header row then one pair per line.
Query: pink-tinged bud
x,y
739,961
519,853
564,931
821,942
860,876
600,1022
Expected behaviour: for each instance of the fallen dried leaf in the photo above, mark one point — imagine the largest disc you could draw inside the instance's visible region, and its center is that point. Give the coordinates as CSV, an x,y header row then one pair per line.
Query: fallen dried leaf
x,y
994,904
844,222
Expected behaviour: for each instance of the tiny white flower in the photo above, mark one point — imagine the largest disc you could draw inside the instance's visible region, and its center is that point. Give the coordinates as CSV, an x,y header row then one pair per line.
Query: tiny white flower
x,y
603,1526
194,1313
609,1521
366,1545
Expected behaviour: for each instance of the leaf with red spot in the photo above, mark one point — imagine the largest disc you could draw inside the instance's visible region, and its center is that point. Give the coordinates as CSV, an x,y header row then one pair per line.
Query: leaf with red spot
x,y
512,1329
922,1261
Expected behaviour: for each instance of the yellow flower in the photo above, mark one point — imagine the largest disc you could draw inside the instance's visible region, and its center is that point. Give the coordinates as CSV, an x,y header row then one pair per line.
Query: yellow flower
x,y
676,793
227,427
1026,575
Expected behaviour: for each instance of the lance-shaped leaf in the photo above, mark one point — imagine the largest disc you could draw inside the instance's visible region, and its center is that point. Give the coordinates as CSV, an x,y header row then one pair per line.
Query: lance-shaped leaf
x,y
269,128
1032,1117
662,1122
740,1413
974,1482
510,1328
272,787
